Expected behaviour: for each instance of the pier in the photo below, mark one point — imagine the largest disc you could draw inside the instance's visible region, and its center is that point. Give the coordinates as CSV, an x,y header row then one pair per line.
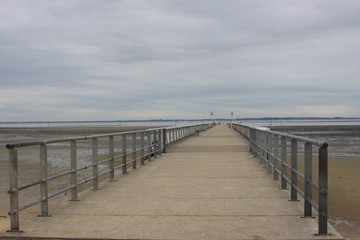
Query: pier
x,y
205,186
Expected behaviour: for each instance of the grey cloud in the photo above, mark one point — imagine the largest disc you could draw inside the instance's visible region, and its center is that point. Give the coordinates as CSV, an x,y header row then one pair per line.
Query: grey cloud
x,y
185,57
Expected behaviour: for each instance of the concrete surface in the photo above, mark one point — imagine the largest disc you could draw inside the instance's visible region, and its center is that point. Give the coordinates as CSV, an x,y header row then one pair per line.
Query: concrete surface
x,y
205,187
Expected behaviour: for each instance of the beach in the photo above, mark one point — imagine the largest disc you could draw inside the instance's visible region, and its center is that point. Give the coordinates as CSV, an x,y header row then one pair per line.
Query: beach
x,y
344,167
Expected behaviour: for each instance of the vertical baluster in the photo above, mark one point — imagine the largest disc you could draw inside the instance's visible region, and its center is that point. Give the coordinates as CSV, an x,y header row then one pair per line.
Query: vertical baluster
x,y
293,169
164,140
149,145
111,156
159,142
14,188
323,189
308,180
154,144
276,156
269,152
142,148
124,153
73,176
134,150
283,161
44,182
95,164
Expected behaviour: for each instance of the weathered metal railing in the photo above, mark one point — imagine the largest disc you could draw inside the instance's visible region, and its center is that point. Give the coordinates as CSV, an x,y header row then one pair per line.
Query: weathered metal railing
x,y
152,143
271,148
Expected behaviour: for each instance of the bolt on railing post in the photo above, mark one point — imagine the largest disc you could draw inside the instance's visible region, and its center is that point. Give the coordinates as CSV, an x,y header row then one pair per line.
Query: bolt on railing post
x,y
283,161
111,156
134,150
14,194
293,169
149,145
124,153
44,182
73,176
308,179
276,157
323,189
95,164
142,148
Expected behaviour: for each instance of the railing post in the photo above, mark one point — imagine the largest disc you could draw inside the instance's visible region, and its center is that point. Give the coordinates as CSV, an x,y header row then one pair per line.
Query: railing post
x,y
73,154
95,164
159,142
308,179
251,141
293,169
264,147
154,144
269,151
283,161
134,150
14,190
323,189
111,156
124,153
164,140
149,145
276,157
44,183
142,148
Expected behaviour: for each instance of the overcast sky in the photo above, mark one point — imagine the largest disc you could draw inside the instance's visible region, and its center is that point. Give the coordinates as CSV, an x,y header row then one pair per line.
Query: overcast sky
x,y
113,59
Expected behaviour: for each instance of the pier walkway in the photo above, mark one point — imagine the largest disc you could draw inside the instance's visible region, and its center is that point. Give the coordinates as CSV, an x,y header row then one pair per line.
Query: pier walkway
x,y
204,187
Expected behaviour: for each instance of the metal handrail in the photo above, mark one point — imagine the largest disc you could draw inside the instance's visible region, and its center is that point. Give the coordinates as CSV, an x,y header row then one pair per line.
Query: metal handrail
x,y
152,143
271,148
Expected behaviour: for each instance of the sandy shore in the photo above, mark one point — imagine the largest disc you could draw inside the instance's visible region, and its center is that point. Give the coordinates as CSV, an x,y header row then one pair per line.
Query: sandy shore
x,y
344,177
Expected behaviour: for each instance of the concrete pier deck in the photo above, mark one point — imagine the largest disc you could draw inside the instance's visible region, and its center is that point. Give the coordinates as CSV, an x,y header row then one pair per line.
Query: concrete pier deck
x,y
204,187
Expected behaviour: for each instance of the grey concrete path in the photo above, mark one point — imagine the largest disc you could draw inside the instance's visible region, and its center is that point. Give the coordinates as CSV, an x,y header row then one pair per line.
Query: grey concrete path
x,y
204,187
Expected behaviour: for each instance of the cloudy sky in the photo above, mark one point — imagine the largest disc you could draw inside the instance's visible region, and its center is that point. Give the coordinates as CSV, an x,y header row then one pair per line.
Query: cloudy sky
x,y
138,59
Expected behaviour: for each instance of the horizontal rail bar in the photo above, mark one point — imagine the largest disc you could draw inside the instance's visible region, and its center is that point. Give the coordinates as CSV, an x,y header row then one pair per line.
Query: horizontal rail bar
x,y
30,185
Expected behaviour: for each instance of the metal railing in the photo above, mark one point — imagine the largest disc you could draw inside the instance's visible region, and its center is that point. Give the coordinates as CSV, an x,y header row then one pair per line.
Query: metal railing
x,y
143,146
272,149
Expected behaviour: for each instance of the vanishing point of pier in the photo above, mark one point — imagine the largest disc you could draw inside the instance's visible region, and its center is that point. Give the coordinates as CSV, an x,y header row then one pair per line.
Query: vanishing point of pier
x,y
206,186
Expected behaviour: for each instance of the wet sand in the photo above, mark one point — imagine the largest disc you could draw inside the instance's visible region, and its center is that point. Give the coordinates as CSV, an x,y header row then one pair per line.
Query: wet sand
x,y
344,175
